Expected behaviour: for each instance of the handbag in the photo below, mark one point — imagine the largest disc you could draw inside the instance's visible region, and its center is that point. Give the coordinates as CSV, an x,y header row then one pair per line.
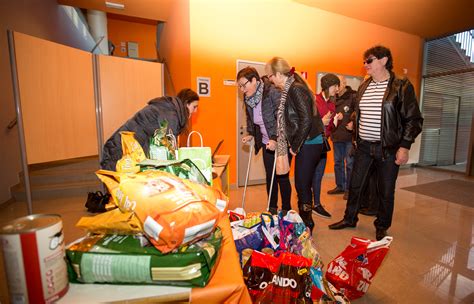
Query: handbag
x,y
282,165
200,156
326,145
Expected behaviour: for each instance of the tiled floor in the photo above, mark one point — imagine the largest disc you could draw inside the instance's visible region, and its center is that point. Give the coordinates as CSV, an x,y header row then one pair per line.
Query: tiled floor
x,y
431,258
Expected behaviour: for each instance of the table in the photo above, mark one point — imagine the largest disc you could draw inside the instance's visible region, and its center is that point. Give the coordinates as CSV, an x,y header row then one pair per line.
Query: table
x,y
226,285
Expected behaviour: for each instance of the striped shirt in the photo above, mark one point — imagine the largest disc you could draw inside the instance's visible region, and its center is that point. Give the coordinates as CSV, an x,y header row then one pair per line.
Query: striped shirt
x,y
371,111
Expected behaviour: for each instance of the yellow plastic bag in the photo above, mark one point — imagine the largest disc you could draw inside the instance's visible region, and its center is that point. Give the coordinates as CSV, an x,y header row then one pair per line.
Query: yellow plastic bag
x,y
132,153
111,222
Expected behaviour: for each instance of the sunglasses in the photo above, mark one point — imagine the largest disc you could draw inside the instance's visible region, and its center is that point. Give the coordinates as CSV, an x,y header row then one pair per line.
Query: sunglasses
x,y
369,60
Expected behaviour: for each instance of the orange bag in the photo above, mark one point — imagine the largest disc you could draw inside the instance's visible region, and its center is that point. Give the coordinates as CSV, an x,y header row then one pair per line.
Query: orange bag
x,y
172,210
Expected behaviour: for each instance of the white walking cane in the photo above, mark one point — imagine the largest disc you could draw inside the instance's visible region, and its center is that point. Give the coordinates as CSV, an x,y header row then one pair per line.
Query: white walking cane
x,y
250,142
273,177
248,172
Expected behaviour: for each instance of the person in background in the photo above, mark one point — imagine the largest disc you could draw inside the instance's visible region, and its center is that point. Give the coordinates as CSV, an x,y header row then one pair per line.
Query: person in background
x,y
388,120
327,109
342,138
300,128
176,110
261,100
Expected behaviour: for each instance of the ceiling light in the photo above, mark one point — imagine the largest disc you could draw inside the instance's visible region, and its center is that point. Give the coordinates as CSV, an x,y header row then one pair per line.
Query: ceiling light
x,y
114,5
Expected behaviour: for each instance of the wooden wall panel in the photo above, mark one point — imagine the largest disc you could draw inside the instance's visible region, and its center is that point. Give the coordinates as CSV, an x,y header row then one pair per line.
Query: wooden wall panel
x,y
57,100
126,85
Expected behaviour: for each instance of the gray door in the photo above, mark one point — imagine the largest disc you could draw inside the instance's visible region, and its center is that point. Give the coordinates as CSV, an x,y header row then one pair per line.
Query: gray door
x,y
438,144
257,170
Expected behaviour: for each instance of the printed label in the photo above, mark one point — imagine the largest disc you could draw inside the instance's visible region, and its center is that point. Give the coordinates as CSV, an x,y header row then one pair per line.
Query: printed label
x,y
115,268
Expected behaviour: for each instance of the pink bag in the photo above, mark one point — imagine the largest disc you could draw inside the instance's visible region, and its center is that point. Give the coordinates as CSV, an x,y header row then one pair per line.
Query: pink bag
x,y
352,271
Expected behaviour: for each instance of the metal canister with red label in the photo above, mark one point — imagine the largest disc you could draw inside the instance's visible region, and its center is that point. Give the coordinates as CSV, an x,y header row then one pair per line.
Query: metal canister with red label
x,y
33,252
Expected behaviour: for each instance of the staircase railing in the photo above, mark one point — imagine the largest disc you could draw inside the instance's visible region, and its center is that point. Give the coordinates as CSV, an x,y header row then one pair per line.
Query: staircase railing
x,y
466,39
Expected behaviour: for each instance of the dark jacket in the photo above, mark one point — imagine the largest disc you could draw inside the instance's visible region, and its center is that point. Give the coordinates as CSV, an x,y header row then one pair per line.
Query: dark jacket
x,y
144,123
345,104
401,117
301,116
270,101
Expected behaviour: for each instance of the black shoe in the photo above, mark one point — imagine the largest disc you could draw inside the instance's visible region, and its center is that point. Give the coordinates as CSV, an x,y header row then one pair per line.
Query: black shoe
x,y
367,211
341,225
305,214
346,195
273,210
96,202
320,211
380,234
336,190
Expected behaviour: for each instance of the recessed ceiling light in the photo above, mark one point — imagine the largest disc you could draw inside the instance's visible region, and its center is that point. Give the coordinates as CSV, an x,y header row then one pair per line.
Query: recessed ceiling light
x,y
114,5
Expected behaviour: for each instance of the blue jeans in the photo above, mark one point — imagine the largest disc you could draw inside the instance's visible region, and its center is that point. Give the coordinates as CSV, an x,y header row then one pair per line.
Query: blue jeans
x,y
343,171
318,178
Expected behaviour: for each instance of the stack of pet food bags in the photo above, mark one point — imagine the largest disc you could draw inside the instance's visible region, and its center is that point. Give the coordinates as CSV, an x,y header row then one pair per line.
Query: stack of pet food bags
x,y
279,260
163,230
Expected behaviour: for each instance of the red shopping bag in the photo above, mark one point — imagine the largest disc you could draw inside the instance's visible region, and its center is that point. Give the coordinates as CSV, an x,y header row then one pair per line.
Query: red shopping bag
x,y
291,284
259,271
352,271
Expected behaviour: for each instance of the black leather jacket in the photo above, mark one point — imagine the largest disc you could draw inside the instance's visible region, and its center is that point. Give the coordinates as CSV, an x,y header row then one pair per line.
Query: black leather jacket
x,y
270,102
301,116
401,116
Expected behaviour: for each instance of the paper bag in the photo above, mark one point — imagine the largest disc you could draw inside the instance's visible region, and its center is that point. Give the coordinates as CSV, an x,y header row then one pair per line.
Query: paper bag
x,y
200,156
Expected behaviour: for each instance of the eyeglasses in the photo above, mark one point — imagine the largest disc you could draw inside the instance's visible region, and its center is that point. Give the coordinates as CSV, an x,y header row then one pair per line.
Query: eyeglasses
x,y
369,60
242,86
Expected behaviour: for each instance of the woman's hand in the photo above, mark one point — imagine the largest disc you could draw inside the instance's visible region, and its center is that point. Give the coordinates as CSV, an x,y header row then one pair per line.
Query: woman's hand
x,y
327,118
271,145
247,138
339,116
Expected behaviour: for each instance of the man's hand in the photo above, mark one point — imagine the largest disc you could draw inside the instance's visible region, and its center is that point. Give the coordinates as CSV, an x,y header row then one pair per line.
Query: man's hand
x,y
402,156
350,126
271,145
339,116
247,138
292,153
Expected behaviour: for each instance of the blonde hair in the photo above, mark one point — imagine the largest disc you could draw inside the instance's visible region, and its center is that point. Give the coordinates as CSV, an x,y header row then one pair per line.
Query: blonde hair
x,y
278,64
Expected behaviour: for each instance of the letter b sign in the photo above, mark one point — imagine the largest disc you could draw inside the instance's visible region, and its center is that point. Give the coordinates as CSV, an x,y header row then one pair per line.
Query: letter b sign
x,y
204,86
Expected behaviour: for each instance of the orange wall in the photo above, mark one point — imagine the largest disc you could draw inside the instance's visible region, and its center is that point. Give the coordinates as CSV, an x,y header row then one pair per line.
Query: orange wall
x,y
122,31
175,46
310,39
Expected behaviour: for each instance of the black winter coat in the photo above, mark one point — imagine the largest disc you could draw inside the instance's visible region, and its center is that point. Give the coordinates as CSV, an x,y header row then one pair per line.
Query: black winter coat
x,y
401,116
301,116
270,101
144,123
345,104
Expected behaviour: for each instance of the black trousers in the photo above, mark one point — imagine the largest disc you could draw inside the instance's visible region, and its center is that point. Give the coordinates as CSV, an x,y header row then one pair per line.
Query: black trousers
x,y
369,196
281,181
367,156
306,162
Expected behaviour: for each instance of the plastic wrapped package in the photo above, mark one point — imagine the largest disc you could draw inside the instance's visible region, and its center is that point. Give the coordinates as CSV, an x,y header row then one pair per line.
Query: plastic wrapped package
x,y
131,259
172,211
